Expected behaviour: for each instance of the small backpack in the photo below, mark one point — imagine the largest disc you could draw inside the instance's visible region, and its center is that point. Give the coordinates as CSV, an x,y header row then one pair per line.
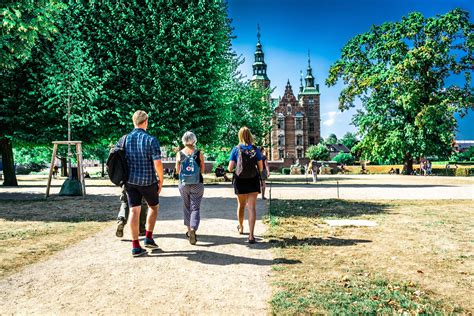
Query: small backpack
x,y
189,171
246,163
117,166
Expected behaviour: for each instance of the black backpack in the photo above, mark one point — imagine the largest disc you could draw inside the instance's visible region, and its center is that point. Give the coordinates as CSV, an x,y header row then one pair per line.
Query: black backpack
x,y
117,167
246,163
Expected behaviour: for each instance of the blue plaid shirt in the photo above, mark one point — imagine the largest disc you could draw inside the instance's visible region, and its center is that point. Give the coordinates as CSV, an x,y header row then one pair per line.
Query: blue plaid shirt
x,y
141,149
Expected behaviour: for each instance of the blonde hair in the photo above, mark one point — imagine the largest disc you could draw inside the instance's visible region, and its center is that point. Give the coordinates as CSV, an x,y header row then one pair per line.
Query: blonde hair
x,y
245,136
139,117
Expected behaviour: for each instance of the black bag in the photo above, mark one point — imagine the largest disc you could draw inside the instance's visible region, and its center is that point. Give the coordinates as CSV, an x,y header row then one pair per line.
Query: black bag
x,y
117,167
246,163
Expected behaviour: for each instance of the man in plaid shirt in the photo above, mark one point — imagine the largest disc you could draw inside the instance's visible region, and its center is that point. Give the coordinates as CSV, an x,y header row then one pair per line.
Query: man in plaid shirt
x,y
144,165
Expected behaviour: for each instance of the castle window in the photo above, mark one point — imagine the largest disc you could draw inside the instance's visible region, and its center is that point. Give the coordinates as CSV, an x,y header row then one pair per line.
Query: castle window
x,y
281,123
311,100
299,153
311,140
311,126
299,140
281,140
280,154
299,123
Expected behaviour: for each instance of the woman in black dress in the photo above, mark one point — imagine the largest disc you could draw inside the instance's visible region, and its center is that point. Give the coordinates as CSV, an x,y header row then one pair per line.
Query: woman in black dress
x,y
247,161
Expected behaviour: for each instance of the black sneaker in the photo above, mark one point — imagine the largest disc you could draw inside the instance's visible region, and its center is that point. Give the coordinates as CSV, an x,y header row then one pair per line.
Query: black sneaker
x,y
120,226
136,252
150,243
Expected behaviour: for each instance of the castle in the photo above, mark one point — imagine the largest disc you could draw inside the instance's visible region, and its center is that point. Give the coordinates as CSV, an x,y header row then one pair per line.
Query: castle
x,y
296,120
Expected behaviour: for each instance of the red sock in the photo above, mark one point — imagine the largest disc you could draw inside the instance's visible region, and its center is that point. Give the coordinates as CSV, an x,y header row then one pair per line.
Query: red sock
x,y
149,234
135,244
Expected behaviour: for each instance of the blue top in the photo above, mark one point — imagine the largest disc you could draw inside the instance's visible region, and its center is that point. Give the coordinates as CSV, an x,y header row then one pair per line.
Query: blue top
x,y
141,149
234,154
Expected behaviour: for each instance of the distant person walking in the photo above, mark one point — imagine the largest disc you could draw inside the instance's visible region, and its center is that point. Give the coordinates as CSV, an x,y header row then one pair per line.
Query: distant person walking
x,y
247,161
189,166
265,172
144,165
313,166
122,217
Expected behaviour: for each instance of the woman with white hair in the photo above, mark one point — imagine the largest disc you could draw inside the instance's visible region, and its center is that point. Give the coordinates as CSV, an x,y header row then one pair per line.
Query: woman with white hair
x,y
189,166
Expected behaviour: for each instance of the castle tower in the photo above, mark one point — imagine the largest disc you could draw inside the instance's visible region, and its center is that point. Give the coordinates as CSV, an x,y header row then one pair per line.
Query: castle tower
x,y
309,98
259,77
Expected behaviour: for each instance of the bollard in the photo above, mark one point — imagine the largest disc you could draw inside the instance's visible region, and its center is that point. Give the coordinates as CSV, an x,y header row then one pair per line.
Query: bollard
x,y
337,185
270,202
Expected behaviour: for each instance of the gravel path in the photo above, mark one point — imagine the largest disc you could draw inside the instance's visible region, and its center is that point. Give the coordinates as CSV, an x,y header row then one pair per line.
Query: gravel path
x,y
376,187
220,275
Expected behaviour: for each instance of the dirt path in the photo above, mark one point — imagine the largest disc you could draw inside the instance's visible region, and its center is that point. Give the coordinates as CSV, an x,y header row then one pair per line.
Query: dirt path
x,y
221,275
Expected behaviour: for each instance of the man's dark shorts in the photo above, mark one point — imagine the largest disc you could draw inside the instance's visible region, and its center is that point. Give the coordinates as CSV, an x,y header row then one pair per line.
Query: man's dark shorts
x,y
136,192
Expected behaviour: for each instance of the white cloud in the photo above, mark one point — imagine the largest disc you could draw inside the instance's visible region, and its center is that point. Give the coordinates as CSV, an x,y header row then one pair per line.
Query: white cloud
x,y
331,118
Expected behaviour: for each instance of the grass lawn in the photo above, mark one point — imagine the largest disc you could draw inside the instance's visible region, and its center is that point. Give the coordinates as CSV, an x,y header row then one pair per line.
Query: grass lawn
x,y
32,230
419,259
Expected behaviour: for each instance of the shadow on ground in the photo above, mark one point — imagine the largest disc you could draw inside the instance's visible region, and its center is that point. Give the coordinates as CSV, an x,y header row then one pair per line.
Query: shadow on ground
x,y
325,208
323,185
316,241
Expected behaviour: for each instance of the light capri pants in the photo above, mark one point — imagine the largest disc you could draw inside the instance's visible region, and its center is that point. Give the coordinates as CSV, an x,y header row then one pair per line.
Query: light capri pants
x,y
192,196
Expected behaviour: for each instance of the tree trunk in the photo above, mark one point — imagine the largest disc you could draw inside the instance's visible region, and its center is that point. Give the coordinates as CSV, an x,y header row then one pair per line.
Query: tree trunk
x,y
63,167
103,167
408,164
6,150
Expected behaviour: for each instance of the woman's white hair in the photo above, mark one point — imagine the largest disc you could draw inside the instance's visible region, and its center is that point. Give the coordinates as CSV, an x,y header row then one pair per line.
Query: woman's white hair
x,y
189,139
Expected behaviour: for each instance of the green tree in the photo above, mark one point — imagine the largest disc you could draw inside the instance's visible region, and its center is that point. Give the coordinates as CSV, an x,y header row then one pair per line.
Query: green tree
x,y
245,105
23,24
349,140
400,71
332,139
169,58
344,158
318,152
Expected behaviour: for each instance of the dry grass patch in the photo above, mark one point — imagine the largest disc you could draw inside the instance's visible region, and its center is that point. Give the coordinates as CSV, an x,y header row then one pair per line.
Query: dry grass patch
x,y
31,230
418,259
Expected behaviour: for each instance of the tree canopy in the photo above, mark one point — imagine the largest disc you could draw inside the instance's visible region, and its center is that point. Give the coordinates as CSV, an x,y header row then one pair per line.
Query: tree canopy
x,y
349,140
331,139
318,152
412,76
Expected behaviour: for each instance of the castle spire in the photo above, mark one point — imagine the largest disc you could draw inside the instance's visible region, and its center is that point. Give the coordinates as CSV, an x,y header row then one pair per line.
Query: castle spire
x,y
259,67
309,73
258,32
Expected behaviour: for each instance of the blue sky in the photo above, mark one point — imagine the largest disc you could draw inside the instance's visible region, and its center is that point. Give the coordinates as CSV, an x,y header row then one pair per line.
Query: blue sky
x,y
290,27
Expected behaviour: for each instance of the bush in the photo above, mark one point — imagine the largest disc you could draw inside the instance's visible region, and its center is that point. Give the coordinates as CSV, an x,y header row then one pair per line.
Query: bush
x,y
285,170
454,172
222,158
318,152
27,168
344,158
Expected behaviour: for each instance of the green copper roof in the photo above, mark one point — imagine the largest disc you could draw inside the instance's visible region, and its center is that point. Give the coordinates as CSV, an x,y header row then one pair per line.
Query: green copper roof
x,y
309,91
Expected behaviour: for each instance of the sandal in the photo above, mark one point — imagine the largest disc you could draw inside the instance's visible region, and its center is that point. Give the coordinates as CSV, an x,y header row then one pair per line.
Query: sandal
x,y
251,241
241,232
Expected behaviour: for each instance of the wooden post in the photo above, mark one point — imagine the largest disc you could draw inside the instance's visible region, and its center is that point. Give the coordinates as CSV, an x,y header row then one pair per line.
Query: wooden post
x,y
55,148
80,171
